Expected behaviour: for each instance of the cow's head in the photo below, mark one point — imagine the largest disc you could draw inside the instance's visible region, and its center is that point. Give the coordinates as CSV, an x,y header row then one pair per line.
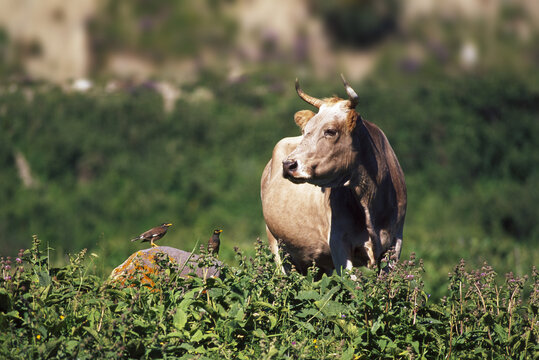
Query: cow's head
x,y
326,151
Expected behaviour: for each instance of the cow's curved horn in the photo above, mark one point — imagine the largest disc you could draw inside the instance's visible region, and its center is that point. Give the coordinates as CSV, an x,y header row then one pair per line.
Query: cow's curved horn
x,y
352,95
311,100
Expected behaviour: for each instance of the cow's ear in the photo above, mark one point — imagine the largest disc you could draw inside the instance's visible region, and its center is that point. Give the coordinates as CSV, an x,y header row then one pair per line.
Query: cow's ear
x,y
352,119
302,117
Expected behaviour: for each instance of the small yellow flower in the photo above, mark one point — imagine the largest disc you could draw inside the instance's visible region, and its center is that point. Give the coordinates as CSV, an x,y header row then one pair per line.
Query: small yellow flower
x,y
62,317
38,337
314,341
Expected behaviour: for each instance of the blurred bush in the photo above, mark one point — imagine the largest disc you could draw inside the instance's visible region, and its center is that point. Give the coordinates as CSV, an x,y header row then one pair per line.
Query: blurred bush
x,y
161,30
358,23
470,140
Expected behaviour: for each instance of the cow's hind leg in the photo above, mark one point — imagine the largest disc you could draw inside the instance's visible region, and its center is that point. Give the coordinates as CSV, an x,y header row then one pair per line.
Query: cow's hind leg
x,y
274,248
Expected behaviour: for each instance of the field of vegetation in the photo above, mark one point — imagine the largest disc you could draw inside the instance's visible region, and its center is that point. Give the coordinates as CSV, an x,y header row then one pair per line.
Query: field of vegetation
x,y
252,310
107,166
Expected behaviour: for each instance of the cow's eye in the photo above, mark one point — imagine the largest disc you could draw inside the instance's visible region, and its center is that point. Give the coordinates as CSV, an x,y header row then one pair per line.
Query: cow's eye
x,y
330,132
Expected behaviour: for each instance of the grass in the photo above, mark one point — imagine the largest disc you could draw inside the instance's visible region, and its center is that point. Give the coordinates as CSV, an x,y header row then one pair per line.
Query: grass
x,y
252,310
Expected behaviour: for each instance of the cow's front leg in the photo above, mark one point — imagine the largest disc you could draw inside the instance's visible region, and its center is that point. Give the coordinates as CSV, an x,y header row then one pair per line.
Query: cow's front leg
x,y
373,247
341,253
274,248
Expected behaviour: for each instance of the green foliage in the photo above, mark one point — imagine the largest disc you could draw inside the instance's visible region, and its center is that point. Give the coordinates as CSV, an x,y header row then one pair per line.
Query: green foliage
x,y
253,310
108,166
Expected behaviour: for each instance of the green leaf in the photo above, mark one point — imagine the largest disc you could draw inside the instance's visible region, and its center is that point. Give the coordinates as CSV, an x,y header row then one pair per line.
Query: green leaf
x,y
307,313
376,325
273,321
331,308
348,354
187,347
324,283
71,345
197,336
174,334
329,294
308,295
52,346
501,332
44,278
309,327
180,319
14,314
263,304
415,345
92,332
140,323
259,333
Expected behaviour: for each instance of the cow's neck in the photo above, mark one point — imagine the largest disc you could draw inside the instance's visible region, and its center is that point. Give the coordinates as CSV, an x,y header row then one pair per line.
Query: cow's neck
x,y
366,168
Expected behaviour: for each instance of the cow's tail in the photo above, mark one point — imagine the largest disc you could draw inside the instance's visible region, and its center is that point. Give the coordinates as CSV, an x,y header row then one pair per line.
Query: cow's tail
x,y
398,248
396,253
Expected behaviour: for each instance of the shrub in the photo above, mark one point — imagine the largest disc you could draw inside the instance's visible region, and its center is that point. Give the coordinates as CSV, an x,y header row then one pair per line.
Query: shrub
x,y
358,23
253,310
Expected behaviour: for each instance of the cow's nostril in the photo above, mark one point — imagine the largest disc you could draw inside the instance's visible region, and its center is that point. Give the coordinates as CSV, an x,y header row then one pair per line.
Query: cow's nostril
x,y
290,166
293,166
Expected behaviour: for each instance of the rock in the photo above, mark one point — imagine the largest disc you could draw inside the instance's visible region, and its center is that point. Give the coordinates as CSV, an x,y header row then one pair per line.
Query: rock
x,y
148,262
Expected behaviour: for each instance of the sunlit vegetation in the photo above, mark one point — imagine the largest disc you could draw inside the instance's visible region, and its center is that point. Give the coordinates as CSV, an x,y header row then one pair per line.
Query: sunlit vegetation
x,y
253,310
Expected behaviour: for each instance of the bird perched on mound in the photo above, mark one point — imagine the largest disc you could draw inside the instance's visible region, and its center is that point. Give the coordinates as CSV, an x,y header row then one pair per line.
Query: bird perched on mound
x,y
214,242
153,234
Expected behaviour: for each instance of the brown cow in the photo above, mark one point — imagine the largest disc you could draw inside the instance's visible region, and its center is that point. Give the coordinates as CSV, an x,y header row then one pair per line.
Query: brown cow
x,y
336,195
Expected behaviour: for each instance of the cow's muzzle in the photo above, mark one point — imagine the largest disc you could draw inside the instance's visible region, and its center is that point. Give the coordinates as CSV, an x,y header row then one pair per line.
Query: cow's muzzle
x,y
289,168
293,172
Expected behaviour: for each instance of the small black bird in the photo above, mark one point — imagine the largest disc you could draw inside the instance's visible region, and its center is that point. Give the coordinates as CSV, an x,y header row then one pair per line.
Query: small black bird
x,y
153,234
214,242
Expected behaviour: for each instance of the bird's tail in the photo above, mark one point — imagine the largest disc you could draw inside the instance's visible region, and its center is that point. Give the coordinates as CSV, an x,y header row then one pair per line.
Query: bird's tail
x,y
135,239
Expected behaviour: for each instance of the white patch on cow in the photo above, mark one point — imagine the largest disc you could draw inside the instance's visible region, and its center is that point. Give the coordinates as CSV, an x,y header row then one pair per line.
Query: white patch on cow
x,y
301,172
337,109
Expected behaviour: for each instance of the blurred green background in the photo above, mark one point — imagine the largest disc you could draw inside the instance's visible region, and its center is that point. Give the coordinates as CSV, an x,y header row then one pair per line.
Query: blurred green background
x,y
117,116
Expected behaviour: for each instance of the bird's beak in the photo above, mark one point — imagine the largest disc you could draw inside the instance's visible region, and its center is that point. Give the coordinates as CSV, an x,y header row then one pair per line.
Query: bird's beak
x,y
169,224
220,231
